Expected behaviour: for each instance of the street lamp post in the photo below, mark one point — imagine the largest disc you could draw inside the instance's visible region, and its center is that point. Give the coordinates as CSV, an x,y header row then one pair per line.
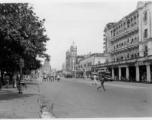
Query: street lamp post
x,y
21,65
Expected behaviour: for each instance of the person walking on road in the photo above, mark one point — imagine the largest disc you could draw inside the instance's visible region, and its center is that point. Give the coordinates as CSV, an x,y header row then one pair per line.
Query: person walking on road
x,y
94,79
58,77
102,80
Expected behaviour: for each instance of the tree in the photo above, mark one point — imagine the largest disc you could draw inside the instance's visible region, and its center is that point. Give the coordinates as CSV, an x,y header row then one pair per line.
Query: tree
x,y
22,35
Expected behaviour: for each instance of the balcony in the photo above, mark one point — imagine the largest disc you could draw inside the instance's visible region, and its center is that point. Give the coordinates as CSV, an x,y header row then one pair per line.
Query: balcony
x,y
125,33
125,47
104,43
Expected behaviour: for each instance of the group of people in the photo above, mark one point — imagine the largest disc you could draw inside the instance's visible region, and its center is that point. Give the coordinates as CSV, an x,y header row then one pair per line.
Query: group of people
x,y
101,78
47,78
7,78
15,81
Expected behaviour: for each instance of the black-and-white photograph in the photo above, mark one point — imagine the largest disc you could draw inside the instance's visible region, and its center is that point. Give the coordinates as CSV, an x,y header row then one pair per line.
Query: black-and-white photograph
x,y
75,59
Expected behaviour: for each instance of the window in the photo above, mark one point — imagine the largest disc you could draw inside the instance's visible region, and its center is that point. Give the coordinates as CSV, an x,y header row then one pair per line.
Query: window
x,y
146,51
146,33
145,16
128,23
128,55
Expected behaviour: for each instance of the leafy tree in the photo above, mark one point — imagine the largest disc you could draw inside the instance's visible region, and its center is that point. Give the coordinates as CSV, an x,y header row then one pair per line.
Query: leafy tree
x,y
22,35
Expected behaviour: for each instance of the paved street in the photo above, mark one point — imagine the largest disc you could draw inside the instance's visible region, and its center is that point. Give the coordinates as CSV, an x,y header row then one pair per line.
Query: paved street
x,y
78,98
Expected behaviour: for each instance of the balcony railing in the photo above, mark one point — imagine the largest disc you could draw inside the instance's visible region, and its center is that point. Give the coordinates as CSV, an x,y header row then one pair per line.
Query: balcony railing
x,y
125,47
125,32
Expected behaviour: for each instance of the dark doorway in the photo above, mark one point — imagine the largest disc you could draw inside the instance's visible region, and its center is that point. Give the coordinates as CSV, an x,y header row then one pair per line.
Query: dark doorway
x,y
132,73
116,73
123,72
142,73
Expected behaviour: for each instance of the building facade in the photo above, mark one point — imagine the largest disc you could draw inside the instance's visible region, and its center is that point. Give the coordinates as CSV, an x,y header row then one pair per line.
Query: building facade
x,y
84,66
128,45
71,58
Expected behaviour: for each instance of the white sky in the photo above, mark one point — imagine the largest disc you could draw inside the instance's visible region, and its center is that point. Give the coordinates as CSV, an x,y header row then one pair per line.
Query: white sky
x,y
78,21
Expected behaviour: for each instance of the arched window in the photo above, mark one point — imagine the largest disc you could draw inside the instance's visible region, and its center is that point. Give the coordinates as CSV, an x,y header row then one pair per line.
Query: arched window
x,y
135,19
128,55
146,51
145,16
128,23
121,57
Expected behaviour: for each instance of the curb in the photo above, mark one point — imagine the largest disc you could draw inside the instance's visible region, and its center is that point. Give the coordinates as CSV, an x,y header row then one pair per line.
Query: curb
x,y
43,107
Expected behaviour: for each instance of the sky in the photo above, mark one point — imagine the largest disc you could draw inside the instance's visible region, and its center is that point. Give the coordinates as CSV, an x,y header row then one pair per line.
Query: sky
x,y
78,21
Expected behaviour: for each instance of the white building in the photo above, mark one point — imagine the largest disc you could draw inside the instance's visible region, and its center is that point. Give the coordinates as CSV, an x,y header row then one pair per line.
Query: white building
x,y
128,44
84,66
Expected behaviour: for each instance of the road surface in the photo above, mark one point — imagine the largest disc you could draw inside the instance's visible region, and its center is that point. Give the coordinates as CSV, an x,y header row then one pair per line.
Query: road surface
x,y
78,98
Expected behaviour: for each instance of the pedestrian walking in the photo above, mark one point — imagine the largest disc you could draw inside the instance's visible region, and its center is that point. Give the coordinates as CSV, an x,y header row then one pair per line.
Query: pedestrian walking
x,y
94,79
58,77
102,80
7,79
14,81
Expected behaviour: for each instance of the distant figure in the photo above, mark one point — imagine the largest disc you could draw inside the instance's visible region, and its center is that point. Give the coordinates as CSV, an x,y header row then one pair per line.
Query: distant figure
x,y
58,78
94,80
14,81
102,80
7,78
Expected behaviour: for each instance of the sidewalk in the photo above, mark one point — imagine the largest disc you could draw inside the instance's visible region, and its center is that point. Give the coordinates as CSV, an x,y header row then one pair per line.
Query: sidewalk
x,y
15,105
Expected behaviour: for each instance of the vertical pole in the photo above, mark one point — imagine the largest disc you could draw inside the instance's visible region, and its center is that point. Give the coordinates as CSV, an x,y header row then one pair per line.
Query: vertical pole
x,y
119,73
148,73
20,87
137,73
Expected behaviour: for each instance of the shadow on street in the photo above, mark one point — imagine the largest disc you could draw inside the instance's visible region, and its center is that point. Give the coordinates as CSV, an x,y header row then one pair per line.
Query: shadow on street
x,y
10,95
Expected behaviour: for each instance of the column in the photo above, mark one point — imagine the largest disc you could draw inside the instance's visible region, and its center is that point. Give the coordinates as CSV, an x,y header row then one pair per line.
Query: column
x,y
149,47
148,73
137,73
113,73
84,73
127,72
119,73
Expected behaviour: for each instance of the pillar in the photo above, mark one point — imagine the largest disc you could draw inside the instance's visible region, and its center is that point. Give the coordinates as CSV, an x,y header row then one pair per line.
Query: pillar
x,y
113,73
127,72
137,73
84,73
119,73
148,73
149,47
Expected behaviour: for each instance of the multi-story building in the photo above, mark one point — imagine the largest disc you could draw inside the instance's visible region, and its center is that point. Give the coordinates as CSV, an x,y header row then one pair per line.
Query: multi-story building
x,y
71,58
84,66
77,69
128,44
